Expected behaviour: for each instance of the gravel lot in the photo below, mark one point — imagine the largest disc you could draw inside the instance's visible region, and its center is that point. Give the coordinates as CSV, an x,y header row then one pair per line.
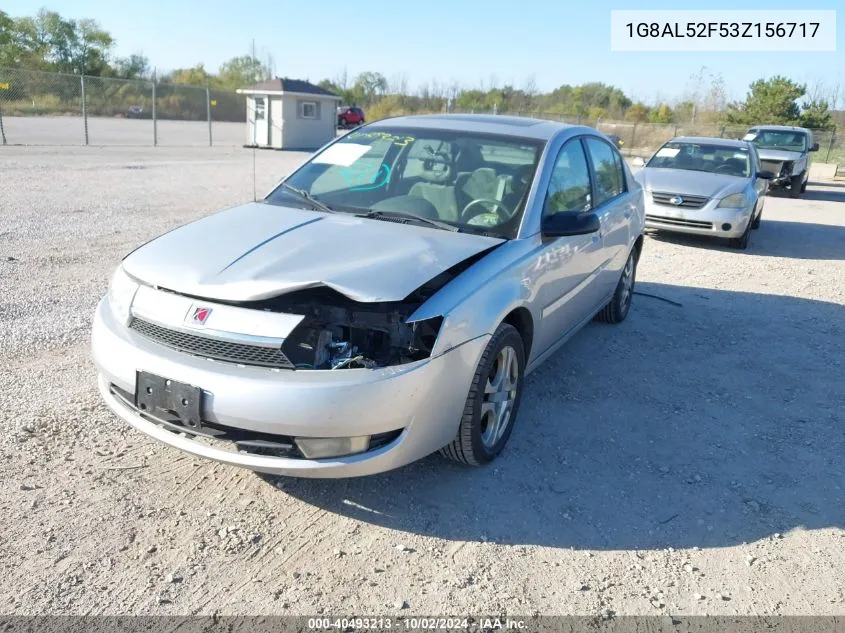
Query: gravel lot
x,y
70,130
688,461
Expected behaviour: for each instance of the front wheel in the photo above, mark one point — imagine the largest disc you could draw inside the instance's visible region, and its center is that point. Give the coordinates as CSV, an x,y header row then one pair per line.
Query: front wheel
x,y
796,186
492,402
619,306
742,242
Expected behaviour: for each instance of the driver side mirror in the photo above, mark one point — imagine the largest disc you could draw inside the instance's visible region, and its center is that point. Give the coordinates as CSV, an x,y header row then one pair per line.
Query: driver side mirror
x,y
569,223
638,161
765,175
815,147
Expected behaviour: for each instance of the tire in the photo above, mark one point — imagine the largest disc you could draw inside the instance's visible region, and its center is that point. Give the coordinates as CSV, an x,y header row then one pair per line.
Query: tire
x,y
618,307
741,242
795,186
755,223
804,187
477,442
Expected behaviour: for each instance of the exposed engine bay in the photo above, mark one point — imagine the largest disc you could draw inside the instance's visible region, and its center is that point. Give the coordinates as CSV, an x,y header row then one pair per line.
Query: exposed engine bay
x,y
339,333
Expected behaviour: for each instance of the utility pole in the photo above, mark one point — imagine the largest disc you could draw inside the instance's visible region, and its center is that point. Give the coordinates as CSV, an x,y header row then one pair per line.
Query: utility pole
x,y
155,123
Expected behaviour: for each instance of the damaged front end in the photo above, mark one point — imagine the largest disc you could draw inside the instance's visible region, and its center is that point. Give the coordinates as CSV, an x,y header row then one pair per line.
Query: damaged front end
x,y
340,333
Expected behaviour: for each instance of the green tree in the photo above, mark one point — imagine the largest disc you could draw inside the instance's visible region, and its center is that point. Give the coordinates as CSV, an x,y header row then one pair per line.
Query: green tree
x,y
194,76
368,86
661,114
48,41
11,51
637,113
816,114
240,72
772,101
133,67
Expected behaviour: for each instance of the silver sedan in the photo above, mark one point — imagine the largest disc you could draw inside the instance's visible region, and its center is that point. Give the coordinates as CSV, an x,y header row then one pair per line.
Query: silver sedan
x,y
705,186
383,302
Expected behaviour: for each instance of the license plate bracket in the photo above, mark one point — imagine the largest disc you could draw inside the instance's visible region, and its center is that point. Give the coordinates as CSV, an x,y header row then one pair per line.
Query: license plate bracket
x,y
166,398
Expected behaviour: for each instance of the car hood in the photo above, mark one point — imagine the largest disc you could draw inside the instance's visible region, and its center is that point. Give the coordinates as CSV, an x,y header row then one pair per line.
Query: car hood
x,y
257,251
693,183
778,154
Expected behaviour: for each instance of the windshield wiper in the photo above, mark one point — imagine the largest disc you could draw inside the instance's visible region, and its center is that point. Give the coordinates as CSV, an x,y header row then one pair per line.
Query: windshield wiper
x,y
307,197
374,215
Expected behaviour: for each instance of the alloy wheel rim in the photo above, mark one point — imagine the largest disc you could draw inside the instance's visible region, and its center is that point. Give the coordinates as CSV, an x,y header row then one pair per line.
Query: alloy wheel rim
x,y
628,281
499,396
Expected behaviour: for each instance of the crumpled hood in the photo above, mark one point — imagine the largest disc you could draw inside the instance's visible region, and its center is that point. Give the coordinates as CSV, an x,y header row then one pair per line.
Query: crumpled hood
x,y
693,183
778,154
257,251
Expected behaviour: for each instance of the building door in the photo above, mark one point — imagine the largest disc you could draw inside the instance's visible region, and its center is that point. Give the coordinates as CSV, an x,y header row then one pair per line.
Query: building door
x,y
261,128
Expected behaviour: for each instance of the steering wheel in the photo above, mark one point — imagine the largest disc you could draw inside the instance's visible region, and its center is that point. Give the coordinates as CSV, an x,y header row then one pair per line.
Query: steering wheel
x,y
466,216
725,169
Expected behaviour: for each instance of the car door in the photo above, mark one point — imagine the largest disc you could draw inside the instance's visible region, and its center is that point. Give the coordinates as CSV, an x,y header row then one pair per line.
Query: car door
x,y
567,267
615,205
761,185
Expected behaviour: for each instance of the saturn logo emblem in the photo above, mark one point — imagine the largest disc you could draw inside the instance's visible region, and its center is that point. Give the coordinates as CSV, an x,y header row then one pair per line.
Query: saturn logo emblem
x,y
200,315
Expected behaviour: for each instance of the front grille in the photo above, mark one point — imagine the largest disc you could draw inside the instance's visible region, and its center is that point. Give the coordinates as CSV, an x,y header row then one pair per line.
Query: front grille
x,y
773,166
695,224
689,202
217,349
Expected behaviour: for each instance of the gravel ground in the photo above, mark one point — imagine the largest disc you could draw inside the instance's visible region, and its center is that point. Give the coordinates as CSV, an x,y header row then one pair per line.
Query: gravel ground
x,y
70,130
688,461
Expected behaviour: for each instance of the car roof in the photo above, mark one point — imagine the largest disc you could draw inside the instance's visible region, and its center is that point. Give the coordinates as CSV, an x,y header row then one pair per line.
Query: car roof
x,y
711,140
516,126
790,128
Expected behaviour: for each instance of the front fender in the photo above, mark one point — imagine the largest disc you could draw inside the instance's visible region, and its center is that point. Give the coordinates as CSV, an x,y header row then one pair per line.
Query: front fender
x,y
477,301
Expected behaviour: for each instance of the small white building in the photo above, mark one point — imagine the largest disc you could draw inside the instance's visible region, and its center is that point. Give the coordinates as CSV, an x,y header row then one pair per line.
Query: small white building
x,y
290,114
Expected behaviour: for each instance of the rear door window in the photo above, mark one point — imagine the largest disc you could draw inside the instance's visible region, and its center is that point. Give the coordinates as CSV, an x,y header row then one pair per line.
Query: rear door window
x,y
607,170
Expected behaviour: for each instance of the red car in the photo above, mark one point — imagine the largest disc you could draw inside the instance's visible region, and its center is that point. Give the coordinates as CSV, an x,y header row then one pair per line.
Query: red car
x,y
350,116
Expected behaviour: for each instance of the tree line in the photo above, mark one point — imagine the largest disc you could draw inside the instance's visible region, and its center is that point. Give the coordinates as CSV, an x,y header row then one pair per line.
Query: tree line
x,y
48,41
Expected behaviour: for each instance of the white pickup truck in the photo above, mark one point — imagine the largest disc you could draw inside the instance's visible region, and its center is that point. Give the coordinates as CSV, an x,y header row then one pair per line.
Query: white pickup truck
x,y
784,151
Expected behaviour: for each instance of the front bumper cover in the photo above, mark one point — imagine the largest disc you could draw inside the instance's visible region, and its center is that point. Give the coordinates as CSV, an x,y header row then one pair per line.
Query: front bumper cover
x,y
423,399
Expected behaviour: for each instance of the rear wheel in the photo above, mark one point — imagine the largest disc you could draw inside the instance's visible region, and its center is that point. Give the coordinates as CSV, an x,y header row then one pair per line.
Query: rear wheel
x,y
617,309
493,400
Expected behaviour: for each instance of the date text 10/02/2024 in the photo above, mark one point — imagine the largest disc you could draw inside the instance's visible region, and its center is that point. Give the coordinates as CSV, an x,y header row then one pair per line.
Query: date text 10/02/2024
x,y
723,29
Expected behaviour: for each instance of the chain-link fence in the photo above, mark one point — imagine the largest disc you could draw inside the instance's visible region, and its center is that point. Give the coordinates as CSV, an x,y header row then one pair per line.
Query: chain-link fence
x,y
40,108
642,139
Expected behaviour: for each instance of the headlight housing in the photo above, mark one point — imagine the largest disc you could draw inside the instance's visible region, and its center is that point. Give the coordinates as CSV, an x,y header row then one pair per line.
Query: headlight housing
x,y
734,201
122,289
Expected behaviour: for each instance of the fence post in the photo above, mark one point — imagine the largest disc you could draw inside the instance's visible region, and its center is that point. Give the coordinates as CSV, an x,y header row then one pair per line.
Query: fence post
x,y
208,112
155,122
2,131
84,107
676,130
633,139
826,158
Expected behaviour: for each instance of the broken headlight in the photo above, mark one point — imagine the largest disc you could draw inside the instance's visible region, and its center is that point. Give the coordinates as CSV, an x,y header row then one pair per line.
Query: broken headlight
x,y
349,339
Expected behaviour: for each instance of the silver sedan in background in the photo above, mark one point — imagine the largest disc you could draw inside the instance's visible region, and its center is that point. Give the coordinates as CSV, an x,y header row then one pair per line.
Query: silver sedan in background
x,y
385,301
705,186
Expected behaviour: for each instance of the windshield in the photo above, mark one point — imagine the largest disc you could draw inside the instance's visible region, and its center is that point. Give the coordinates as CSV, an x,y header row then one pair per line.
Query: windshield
x,y
717,159
475,182
778,139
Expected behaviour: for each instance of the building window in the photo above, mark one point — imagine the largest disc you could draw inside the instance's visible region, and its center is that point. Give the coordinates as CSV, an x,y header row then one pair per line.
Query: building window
x,y
308,109
259,108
